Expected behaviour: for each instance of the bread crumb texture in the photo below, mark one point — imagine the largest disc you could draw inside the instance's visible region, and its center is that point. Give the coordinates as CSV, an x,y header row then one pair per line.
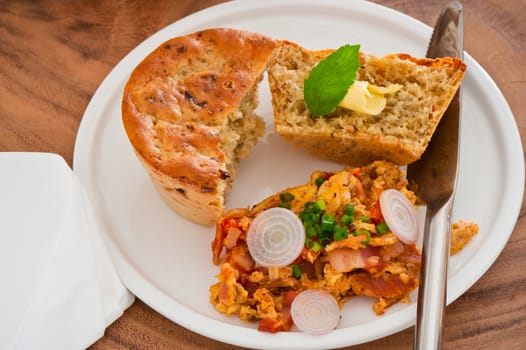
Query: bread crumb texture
x,y
400,133
188,110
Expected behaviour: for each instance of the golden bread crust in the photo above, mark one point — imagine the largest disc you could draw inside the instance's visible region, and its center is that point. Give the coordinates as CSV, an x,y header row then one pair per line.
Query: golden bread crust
x,y
176,107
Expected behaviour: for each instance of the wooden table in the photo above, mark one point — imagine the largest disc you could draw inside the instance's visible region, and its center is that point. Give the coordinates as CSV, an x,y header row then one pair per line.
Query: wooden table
x,y
54,54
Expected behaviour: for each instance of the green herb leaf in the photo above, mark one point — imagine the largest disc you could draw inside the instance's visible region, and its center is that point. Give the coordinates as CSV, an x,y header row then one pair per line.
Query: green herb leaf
x,y
329,81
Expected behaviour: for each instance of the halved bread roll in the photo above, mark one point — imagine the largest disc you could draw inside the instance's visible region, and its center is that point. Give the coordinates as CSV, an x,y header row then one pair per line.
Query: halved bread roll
x,y
188,110
400,133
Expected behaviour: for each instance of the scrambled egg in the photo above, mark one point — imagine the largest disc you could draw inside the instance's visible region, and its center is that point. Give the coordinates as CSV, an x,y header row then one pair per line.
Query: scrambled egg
x,y
372,263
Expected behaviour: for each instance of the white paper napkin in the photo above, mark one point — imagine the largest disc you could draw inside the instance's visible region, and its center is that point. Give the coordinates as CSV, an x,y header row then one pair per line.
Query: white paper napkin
x,y
59,287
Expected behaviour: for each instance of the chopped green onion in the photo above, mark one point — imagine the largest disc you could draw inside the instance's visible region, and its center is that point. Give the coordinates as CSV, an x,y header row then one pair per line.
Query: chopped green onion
x,y
286,197
327,222
358,232
322,228
320,205
327,226
325,241
328,217
368,239
363,232
296,271
365,218
347,219
312,245
319,181
340,233
349,210
382,228
310,229
323,233
284,205
309,217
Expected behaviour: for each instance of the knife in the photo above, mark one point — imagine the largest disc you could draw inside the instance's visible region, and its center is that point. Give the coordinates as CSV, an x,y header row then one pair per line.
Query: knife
x,y
434,179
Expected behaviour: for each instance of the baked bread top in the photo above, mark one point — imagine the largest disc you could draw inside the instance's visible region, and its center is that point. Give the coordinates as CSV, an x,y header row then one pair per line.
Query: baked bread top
x,y
187,109
400,133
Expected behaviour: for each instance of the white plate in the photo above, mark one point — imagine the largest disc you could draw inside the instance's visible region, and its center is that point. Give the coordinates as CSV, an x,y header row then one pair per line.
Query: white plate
x,y
167,262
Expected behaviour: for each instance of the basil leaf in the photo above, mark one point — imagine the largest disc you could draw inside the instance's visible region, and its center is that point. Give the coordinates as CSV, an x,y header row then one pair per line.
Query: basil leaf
x,y
330,79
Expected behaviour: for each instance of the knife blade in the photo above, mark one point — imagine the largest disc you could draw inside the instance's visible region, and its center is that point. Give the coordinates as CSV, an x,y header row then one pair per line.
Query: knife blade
x,y
434,180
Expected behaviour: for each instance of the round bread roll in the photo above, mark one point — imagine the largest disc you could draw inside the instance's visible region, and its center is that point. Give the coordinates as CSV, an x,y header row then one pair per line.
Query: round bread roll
x,y
188,110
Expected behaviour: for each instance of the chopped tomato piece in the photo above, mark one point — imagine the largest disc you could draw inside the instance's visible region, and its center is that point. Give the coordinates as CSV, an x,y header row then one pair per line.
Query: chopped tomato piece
x,y
356,171
289,298
273,325
375,213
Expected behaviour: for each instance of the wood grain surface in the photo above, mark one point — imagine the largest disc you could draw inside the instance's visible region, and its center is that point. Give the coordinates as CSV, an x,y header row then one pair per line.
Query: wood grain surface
x,y
54,54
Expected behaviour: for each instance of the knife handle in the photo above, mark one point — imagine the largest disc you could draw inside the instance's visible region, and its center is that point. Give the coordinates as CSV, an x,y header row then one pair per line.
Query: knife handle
x,y
429,318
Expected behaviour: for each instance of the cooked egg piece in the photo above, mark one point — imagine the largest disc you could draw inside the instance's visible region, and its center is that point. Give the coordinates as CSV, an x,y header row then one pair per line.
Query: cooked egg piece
x,y
367,98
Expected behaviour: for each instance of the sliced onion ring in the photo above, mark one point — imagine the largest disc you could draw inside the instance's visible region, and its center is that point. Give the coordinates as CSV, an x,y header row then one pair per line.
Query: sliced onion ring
x,y
399,215
276,237
315,312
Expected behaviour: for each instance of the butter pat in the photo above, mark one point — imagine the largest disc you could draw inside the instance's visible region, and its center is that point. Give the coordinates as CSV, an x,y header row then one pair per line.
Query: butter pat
x,y
367,98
